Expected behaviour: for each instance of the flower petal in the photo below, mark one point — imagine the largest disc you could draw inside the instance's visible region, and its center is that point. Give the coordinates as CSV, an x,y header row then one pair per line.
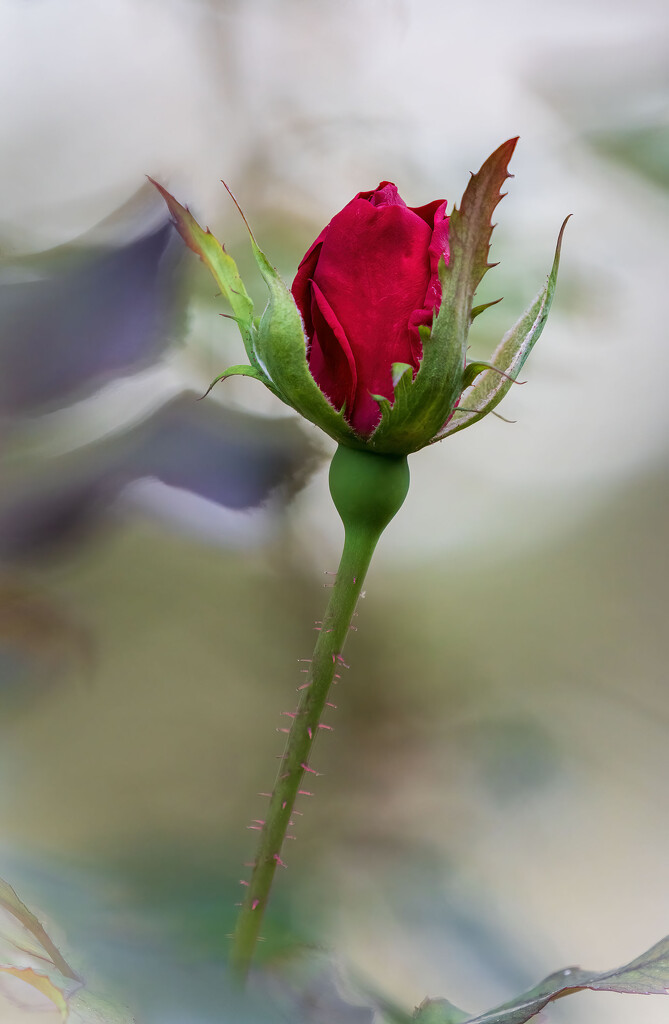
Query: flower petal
x,y
331,359
374,272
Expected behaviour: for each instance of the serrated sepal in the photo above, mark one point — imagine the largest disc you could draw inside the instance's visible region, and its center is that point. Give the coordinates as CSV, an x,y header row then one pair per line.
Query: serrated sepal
x,y
508,358
221,266
422,404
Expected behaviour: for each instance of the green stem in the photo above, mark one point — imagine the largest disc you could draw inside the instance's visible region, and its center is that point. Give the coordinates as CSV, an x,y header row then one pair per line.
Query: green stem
x,y
368,489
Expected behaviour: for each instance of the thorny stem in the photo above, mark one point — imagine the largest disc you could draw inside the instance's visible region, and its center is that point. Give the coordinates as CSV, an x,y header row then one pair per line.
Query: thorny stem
x,y
367,489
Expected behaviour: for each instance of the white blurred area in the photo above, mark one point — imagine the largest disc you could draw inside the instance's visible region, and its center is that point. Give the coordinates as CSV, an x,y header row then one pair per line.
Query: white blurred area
x,y
300,104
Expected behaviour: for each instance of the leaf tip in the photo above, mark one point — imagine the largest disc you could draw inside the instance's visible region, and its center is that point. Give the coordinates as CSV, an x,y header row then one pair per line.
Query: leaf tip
x,y
239,209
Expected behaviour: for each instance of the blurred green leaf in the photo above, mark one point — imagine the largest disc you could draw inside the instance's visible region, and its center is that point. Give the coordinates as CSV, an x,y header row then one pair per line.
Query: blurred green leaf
x,y
439,1011
647,975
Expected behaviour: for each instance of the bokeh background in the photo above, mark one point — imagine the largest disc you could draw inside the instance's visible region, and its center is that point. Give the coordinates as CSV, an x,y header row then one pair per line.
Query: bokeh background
x,y
494,798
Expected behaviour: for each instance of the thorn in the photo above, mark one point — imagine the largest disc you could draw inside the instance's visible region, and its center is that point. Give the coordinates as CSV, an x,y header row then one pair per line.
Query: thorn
x,y
328,727
312,771
243,882
334,659
354,628
286,775
290,714
336,676
303,686
279,861
255,828
265,794
284,805
328,585
255,904
304,792
328,572
328,704
355,579
363,593
318,628
305,670
310,733
305,659
282,730
290,837
342,662
298,812
258,821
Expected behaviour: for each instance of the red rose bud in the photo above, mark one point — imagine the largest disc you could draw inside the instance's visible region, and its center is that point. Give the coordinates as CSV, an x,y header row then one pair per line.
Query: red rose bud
x,y
371,344
365,286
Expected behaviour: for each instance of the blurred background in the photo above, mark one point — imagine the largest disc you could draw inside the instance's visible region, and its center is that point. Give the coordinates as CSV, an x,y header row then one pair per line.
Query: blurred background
x,y
494,798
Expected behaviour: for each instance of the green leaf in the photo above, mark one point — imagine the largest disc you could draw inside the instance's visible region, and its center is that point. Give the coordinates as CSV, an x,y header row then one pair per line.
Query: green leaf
x,y
508,358
647,975
423,405
222,266
439,1011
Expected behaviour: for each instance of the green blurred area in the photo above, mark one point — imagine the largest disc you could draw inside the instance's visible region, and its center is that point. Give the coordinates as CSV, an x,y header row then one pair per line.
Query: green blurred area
x,y
498,763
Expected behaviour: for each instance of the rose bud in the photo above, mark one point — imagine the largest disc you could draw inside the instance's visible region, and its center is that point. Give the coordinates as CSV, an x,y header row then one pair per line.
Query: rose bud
x,y
371,343
365,286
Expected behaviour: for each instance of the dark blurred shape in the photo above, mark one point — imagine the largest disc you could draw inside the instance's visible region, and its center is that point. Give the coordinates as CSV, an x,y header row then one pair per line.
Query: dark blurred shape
x,y
77,316
231,458
71,321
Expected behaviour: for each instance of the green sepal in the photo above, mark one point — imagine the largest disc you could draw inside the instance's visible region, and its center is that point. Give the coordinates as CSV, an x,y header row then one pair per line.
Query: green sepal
x,y
242,370
508,357
221,265
421,406
281,349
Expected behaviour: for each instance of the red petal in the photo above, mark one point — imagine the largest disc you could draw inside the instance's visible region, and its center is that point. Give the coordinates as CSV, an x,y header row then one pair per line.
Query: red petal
x,y
374,271
331,360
